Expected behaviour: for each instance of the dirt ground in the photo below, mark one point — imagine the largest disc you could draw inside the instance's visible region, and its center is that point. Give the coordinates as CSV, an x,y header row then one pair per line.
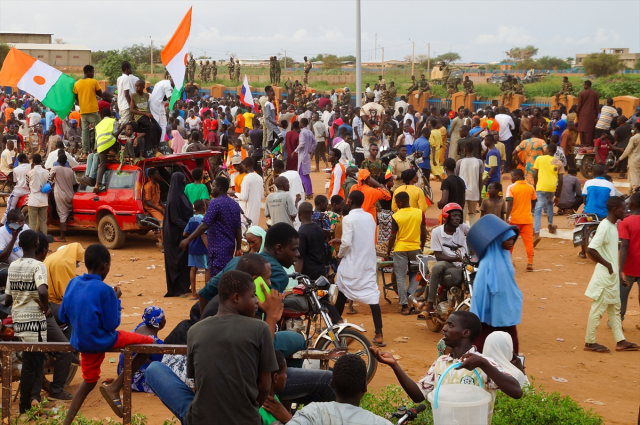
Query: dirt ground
x,y
551,333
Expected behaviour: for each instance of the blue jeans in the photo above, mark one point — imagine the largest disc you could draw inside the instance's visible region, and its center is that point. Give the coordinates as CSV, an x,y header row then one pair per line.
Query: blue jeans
x,y
92,165
173,393
306,386
545,200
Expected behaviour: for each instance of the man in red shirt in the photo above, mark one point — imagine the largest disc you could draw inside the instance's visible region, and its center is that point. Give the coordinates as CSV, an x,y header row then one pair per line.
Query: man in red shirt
x,y
240,120
629,233
103,104
58,123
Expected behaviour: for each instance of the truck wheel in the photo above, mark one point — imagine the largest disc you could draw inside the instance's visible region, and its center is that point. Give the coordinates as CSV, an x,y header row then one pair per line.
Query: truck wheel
x,y
109,233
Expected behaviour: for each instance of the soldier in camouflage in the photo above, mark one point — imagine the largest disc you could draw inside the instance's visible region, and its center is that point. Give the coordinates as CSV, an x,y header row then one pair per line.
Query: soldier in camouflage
x,y
507,90
290,90
207,72
517,87
278,70
298,93
452,87
385,96
231,67
446,72
467,86
201,71
214,71
166,74
307,68
393,92
423,86
191,67
346,97
237,71
567,89
413,86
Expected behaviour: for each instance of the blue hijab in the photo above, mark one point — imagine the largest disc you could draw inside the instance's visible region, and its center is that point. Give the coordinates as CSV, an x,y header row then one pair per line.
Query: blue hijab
x,y
496,299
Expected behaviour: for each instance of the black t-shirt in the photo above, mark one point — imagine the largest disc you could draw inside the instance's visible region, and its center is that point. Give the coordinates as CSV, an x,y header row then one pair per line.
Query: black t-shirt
x,y
311,249
477,145
624,134
256,140
456,187
225,354
516,129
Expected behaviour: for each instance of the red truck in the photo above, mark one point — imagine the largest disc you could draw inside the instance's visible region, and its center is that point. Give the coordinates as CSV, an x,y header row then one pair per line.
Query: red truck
x,y
118,210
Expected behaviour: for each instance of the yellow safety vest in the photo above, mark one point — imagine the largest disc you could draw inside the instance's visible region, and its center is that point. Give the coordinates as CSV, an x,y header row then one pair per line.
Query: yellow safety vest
x,y
104,134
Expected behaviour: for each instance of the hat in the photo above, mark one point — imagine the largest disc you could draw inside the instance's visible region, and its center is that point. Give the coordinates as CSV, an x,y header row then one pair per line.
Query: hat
x,y
236,159
370,95
152,316
73,121
363,174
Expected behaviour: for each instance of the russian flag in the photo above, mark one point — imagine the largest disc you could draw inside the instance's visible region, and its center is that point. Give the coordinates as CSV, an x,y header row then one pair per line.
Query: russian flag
x,y
245,94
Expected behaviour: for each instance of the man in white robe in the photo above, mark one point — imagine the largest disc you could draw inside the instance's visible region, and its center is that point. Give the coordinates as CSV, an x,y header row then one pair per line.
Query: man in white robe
x,y
161,90
356,278
251,192
295,184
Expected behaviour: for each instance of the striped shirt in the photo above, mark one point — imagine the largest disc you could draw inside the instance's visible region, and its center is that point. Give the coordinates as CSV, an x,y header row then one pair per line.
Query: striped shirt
x,y
607,114
25,277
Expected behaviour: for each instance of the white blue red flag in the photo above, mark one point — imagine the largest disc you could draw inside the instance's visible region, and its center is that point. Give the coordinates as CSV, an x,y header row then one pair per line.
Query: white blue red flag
x,y
245,94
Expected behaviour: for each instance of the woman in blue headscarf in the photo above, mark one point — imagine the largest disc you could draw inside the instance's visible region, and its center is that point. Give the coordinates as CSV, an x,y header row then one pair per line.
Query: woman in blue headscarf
x,y
496,299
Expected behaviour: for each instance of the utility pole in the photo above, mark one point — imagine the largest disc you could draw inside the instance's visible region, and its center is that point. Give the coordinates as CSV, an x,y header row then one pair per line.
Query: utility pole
x,y
413,56
375,47
429,60
151,54
285,60
358,58
382,61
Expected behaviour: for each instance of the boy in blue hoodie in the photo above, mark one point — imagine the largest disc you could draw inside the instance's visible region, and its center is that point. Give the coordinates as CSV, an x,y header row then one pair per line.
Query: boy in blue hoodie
x,y
93,309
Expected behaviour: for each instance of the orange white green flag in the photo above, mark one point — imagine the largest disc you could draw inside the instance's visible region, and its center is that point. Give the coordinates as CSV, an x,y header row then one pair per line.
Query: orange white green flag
x,y
175,54
53,88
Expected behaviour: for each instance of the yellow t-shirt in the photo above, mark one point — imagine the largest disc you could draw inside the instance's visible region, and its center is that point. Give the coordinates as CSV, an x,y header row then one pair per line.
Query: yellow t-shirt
x,y
503,154
248,119
86,89
238,182
548,169
406,225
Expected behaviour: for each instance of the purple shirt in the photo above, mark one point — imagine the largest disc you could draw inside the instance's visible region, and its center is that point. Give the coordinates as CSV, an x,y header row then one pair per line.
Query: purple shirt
x,y
307,145
223,219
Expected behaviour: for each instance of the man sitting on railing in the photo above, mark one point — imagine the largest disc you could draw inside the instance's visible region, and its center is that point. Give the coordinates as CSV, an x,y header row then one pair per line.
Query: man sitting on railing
x,y
93,309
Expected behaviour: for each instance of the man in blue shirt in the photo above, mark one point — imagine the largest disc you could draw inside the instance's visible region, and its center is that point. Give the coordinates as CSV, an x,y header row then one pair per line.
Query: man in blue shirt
x,y
476,128
559,125
49,116
493,161
597,192
422,144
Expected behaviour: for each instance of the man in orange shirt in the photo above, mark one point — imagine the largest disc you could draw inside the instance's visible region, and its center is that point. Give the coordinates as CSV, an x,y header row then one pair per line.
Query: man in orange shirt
x,y
490,122
240,120
373,192
521,197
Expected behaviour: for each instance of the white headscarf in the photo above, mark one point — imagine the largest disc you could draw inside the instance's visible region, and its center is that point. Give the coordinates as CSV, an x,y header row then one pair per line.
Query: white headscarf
x,y
499,347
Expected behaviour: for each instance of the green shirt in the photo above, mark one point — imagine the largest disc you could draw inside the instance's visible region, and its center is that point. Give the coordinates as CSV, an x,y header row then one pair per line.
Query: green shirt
x,y
267,418
195,191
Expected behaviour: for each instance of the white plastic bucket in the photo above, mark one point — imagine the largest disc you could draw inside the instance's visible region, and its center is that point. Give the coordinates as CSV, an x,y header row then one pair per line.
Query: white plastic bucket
x,y
459,404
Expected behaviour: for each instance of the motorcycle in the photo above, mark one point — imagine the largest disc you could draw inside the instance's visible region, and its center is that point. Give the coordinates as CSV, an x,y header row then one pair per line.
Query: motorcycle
x,y
244,246
388,155
407,415
586,159
305,313
455,290
584,228
267,170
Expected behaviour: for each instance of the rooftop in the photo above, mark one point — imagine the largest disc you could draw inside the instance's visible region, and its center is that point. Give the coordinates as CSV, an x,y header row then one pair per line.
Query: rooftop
x,y
25,32
32,46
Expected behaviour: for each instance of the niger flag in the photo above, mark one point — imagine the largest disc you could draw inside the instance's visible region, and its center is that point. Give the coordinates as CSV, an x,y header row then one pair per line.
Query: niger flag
x,y
175,54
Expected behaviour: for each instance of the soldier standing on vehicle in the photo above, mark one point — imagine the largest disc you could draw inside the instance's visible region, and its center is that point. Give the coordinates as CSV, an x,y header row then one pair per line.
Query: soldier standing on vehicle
x,y
278,70
231,67
446,72
237,71
412,87
214,70
507,90
307,68
272,70
468,88
567,89
423,85
207,72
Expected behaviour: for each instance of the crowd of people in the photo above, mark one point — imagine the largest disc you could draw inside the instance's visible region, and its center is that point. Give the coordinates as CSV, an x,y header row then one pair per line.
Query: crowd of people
x,y
381,160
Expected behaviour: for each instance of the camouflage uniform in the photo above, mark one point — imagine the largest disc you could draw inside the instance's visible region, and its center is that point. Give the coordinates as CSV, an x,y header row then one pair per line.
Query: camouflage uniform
x,y
345,99
307,68
202,69
423,87
517,87
237,71
214,71
567,89
468,88
207,72
192,68
278,70
507,90
166,74
393,93
298,92
231,68
412,87
446,73
452,88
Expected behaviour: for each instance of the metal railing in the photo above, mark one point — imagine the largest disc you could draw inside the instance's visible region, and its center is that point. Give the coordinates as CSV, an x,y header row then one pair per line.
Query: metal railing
x,y
8,348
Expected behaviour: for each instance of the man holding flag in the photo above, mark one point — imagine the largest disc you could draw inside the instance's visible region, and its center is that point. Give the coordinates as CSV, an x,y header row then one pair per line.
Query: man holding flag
x,y
162,91
174,58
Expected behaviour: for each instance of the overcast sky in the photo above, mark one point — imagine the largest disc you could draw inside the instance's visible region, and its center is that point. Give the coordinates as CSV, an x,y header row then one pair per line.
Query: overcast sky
x,y
480,31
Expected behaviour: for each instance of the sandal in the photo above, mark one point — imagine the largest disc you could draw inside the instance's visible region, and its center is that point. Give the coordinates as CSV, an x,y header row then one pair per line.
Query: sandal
x,y
378,344
404,312
114,403
632,347
529,267
597,348
582,255
353,311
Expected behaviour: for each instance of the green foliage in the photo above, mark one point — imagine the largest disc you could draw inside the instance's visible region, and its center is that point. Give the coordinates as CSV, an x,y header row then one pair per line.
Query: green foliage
x,y
447,57
4,51
111,65
98,56
349,58
528,64
635,65
602,64
141,53
619,85
493,66
549,62
536,407
330,62
522,53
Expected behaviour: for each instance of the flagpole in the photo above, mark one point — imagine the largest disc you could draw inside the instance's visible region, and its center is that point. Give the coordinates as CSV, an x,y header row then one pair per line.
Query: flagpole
x,y
358,58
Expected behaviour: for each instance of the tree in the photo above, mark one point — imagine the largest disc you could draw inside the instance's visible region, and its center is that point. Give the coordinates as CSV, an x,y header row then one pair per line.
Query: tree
x,y
569,59
111,65
142,53
447,57
349,58
602,64
637,64
528,64
521,53
4,51
59,41
290,61
549,62
316,58
330,62
98,56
